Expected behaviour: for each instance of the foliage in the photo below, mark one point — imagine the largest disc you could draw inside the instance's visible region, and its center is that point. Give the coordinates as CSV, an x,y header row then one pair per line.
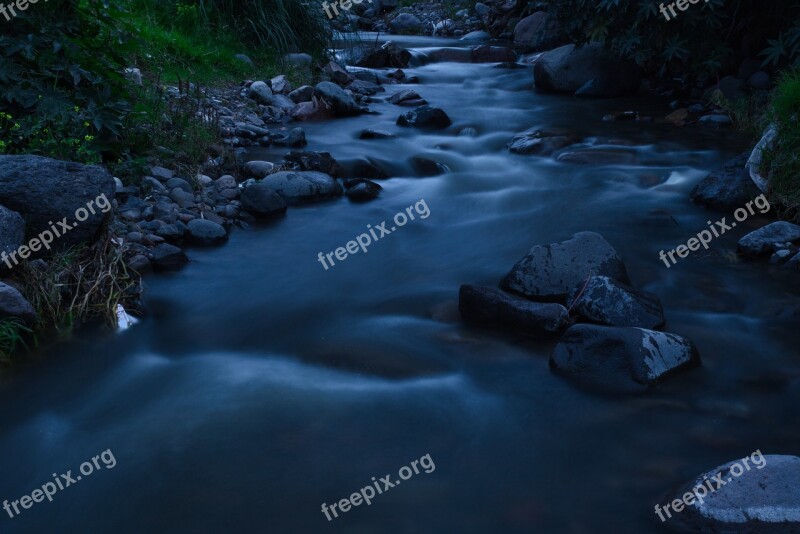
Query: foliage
x,y
782,160
705,40
12,335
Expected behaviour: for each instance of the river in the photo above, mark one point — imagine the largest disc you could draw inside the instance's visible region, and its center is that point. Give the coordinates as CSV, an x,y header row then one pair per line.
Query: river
x,y
261,386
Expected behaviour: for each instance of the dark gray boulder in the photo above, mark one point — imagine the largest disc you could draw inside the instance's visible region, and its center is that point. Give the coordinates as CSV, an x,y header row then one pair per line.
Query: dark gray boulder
x,y
313,161
769,238
551,272
486,306
590,70
303,186
336,100
45,191
404,95
388,55
168,257
361,189
625,360
405,23
12,232
728,187
205,232
425,117
756,494
296,137
302,94
540,142
606,301
261,200
13,304
260,92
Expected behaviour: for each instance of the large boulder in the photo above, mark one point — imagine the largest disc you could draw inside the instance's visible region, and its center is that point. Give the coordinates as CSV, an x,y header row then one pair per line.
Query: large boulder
x,y
626,360
303,186
728,187
47,191
405,23
388,55
314,161
551,272
586,71
12,232
534,31
769,238
541,143
425,117
14,305
757,494
262,201
606,301
335,99
486,306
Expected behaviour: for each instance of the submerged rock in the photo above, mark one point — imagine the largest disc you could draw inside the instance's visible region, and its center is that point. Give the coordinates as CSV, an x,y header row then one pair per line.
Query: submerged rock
x,y
769,238
168,257
539,142
313,161
551,272
425,117
625,360
606,301
486,306
759,494
361,189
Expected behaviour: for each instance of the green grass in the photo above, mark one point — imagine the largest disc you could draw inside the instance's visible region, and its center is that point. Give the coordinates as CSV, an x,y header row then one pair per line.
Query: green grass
x,y
12,336
782,161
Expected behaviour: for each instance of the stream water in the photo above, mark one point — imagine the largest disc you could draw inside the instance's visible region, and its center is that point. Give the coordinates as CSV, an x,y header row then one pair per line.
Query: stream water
x,y
261,385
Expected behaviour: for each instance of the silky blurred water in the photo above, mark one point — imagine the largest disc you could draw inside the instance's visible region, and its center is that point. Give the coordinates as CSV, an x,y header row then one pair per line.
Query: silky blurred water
x,y
261,385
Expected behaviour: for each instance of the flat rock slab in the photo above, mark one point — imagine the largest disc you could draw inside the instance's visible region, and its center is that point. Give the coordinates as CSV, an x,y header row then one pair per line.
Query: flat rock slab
x,y
762,499
624,360
551,272
769,238
486,306
606,301
303,186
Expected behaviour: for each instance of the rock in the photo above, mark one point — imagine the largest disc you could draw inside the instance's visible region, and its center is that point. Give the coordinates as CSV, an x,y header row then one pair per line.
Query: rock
x,y
134,75
425,117
261,93
780,257
481,9
769,238
486,306
303,186
335,99
295,138
405,23
590,69
539,142
388,55
168,257
361,189
314,161
302,61
43,190
139,263
451,55
679,117
598,156
363,167
427,167
759,80
12,233
282,102
244,59
281,85
302,94
492,54
730,88
180,183
628,360
717,121
306,111
551,272
204,232
262,201
369,133
728,187
405,95
13,304
606,301
161,174
360,87
337,73
759,496
748,67
259,169
532,31
476,36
